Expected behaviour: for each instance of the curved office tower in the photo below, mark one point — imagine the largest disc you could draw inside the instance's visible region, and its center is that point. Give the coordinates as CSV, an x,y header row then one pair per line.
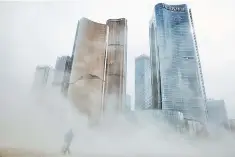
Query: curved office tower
x,y
116,65
177,82
87,75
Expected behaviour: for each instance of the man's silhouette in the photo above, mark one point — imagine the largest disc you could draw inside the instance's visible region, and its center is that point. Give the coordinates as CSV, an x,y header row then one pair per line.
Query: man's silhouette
x,y
68,140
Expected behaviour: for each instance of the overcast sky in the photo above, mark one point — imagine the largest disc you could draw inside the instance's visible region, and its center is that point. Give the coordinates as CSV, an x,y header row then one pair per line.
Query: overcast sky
x,y
34,33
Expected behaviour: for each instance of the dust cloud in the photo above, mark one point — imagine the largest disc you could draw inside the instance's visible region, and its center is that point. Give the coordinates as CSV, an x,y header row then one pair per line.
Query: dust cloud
x,y
39,121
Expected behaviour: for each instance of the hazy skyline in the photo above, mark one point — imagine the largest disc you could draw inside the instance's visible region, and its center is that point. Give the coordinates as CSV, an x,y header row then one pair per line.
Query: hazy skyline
x,y
34,33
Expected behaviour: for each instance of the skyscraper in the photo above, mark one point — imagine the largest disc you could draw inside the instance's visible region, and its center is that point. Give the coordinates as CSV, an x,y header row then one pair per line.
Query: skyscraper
x,y
98,73
143,91
41,77
62,73
66,77
116,67
60,67
177,80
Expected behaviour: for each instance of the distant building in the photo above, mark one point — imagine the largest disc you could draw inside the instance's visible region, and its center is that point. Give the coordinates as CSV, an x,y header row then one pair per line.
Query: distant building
x,y
60,69
128,102
50,78
143,91
232,124
62,73
41,77
67,73
217,114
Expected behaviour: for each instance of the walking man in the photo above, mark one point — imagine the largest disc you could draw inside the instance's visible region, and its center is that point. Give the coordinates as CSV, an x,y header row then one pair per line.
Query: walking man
x,y
68,140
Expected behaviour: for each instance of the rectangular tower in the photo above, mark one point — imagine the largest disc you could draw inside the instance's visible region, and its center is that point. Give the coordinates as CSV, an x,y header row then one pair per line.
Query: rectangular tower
x,y
62,73
41,77
60,67
66,77
143,91
116,65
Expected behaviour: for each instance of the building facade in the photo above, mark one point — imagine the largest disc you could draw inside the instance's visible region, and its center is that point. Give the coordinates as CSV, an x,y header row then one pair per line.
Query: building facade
x,y
66,77
98,73
116,65
128,102
87,75
177,81
41,77
60,67
217,113
232,125
62,72
143,89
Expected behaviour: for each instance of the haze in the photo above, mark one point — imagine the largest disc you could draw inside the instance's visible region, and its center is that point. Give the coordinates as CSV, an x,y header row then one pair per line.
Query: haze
x,y
37,32
33,33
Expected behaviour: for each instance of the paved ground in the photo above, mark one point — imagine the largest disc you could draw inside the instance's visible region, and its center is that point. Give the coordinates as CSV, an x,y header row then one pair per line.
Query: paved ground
x,y
15,152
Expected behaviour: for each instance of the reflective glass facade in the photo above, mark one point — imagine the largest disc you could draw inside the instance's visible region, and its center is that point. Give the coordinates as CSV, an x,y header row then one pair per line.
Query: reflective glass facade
x,y
177,82
143,91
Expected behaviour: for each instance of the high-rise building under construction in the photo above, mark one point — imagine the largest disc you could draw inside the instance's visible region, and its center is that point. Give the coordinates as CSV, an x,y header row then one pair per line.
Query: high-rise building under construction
x,y
98,76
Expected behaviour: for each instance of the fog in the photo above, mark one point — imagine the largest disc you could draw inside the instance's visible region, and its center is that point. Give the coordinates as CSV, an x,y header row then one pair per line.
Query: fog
x,y
34,34
39,122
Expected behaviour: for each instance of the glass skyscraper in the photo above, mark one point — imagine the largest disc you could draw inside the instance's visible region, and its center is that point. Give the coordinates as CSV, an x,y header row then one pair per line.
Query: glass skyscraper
x,y
177,82
143,91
